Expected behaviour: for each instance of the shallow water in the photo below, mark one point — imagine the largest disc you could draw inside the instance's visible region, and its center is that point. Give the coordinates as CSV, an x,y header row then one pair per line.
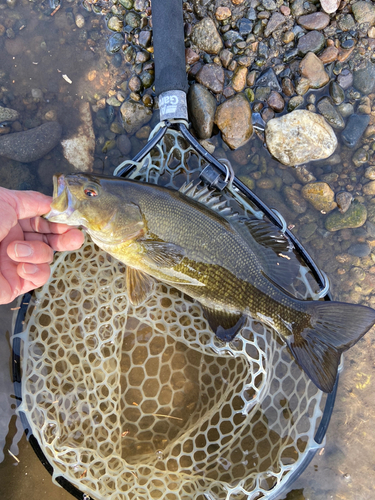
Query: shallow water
x,y
345,468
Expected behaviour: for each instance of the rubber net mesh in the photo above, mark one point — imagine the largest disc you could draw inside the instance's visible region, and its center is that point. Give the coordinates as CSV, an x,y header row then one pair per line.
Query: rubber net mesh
x,y
144,402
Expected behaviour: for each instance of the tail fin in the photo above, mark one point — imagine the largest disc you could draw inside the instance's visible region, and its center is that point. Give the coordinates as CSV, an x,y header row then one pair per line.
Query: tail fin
x,y
333,328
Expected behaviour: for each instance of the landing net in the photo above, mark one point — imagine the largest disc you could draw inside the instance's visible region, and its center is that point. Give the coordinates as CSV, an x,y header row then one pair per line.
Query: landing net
x,y
145,402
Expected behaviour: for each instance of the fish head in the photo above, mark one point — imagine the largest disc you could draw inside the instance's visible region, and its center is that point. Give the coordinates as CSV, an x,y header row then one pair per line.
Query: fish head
x,y
98,204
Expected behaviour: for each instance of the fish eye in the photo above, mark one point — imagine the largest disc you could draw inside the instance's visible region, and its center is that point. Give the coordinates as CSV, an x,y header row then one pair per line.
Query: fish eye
x,y
90,192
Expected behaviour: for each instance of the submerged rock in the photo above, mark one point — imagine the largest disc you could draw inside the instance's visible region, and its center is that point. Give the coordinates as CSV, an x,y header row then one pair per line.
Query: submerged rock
x,y
202,107
355,216
233,118
299,137
79,148
32,144
364,79
8,114
134,116
320,195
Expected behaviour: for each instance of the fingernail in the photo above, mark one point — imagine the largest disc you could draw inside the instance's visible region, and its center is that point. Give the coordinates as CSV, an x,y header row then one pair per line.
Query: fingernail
x,y
22,250
29,268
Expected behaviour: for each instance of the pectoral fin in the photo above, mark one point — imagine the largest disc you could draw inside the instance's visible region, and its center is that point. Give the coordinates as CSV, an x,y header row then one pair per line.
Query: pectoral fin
x,y
225,325
139,285
162,254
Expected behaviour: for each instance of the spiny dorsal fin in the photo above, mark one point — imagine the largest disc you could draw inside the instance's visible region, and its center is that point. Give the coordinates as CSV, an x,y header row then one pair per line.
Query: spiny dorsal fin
x,y
208,197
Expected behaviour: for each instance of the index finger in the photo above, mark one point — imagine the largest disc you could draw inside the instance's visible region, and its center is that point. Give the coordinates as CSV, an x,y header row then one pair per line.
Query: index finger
x,y
40,225
26,204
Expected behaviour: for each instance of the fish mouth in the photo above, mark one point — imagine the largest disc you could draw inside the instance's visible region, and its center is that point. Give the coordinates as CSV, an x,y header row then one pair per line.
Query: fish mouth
x,y
62,204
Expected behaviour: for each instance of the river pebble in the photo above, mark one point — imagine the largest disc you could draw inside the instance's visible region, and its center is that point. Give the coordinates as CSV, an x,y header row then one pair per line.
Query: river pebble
x,y
134,116
354,129
313,41
114,24
343,200
212,77
206,37
239,79
32,144
336,92
202,107
320,195
364,79
299,137
364,12
330,6
233,118
8,114
315,21
294,200
330,113
354,217
276,101
369,188
359,250
312,68
274,23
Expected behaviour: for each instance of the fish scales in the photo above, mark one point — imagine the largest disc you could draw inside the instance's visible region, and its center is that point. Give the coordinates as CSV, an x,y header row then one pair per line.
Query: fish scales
x,y
229,267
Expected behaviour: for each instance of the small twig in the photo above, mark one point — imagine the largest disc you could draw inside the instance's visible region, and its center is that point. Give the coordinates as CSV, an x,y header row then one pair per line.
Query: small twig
x,y
57,8
167,416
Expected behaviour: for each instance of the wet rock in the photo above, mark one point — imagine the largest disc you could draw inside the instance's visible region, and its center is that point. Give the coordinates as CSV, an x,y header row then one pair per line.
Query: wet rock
x,y
287,87
239,79
329,55
212,77
344,200
320,195
307,230
134,115
202,107
144,38
191,57
312,68
364,12
275,21
299,137
14,175
355,216
133,20
115,24
79,148
8,115
222,13
206,37
276,101
346,23
315,21
313,41
345,79
114,43
354,129
245,27
262,93
233,118
269,79
298,8
360,157
302,85
336,92
295,102
333,117
364,79
345,109
330,6
123,144
369,188
359,250
370,173
30,145
294,200
226,57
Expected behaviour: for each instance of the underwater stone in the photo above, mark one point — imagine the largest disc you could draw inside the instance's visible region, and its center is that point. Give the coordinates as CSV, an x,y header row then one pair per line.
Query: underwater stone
x,y
354,129
134,115
359,250
294,200
336,92
364,79
333,117
299,137
344,200
202,107
320,195
8,114
354,217
115,24
268,79
32,144
114,43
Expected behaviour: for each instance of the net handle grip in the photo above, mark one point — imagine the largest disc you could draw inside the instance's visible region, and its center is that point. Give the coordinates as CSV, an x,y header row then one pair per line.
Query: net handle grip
x,y
169,46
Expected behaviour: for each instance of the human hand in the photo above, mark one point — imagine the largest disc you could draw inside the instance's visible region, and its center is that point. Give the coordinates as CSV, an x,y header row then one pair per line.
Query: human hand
x,y
27,242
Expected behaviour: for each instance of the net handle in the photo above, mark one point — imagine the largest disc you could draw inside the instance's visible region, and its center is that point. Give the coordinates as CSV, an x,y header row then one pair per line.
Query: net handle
x,y
169,46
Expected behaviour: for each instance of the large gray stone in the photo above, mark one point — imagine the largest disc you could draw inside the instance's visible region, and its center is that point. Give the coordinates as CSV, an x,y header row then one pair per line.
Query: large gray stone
x,y
32,144
134,116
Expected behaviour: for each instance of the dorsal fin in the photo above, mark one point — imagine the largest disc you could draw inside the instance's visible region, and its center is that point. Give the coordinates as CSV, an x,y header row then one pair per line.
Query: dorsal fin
x,y
208,197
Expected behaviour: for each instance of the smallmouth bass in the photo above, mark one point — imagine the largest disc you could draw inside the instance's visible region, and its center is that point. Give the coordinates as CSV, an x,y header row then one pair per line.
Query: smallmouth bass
x,y
232,266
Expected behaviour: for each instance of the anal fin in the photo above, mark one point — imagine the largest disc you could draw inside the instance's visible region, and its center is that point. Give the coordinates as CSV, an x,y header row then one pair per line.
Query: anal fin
x,y
224,324
139,285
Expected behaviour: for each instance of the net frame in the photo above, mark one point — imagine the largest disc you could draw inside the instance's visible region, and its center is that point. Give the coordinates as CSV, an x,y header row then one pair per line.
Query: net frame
x,y
151,168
